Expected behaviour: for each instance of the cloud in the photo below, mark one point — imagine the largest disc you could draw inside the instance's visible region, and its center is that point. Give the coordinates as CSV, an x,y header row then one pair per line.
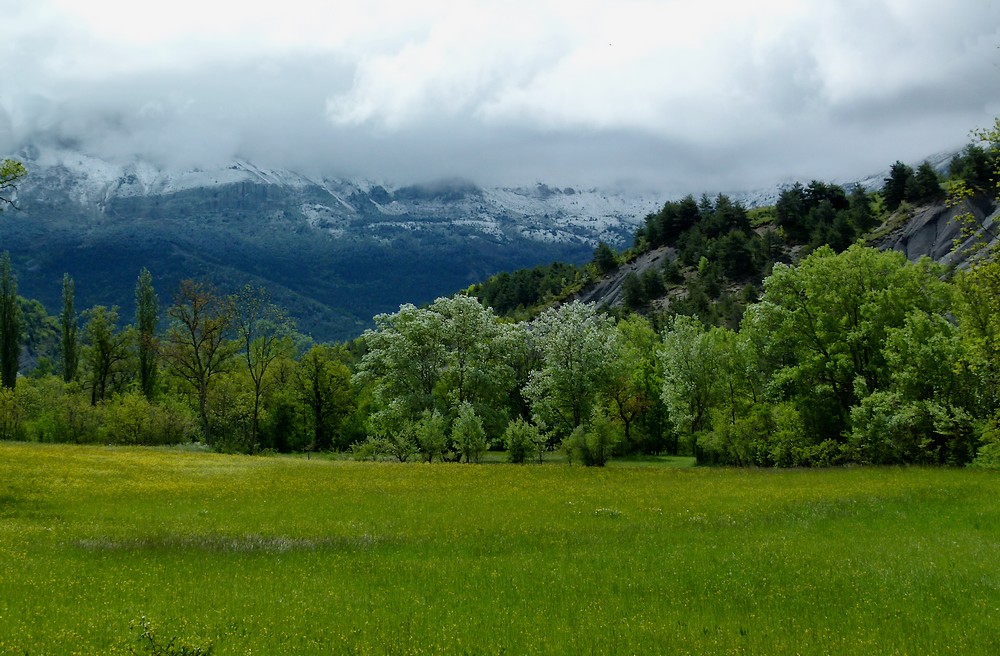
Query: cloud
x,y
677,95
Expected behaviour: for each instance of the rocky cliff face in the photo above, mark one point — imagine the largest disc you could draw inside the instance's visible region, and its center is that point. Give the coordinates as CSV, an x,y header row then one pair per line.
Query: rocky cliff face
x,y
935,232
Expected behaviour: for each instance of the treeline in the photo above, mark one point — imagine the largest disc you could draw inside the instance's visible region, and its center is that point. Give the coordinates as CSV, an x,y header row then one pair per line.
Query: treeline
x,y
229,371
850,356
859,357
856,357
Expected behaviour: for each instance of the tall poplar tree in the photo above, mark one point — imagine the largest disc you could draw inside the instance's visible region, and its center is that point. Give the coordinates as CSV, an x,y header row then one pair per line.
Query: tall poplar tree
x,y
68,323
147,308
10,324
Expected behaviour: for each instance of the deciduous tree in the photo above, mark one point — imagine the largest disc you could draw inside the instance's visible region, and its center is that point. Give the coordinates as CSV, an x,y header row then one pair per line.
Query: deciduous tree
x,y
107,350
577,344
11,171
468,434
264,334
827,320
195,346
323,385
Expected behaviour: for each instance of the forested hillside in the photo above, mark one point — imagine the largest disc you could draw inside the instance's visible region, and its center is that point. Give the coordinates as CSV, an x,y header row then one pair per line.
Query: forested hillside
x,y
775,336
708,257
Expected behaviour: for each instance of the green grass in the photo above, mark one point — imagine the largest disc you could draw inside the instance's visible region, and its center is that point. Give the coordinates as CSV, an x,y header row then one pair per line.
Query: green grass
x,y
292,556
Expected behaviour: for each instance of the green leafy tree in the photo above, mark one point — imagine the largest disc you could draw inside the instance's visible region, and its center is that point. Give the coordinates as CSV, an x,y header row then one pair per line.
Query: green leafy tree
x,y
593,442
477,366
431,437
454,351
69,327
404,360
147,311
12,413
826,321
468,434
978,312
11,171
231,412
322,382
635,385
577,344
925,414
690,376
10,324
41,337
521,440
264,335
196,346
107,351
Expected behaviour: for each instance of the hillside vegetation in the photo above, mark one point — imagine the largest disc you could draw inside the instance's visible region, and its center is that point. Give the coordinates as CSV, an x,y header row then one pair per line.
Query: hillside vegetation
x,y
772,337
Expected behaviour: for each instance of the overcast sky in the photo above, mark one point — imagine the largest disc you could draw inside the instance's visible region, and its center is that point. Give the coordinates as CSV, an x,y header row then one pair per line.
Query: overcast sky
x,y
686,96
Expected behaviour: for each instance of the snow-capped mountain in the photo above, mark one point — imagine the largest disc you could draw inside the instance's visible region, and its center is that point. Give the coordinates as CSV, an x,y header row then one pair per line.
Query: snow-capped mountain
x,y
339,206
335,251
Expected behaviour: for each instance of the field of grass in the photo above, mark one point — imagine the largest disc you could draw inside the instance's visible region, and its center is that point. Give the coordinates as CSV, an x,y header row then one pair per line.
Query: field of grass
x,y
291,556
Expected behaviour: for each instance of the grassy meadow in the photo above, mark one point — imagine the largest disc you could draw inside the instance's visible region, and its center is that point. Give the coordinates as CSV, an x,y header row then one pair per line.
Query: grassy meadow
x,y
251,555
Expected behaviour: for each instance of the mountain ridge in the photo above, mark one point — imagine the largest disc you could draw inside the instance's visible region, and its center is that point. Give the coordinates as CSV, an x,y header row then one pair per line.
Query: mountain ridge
x,y
334,251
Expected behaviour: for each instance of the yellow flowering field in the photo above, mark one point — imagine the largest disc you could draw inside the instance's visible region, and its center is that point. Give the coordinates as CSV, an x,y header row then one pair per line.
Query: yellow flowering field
x,y
129,550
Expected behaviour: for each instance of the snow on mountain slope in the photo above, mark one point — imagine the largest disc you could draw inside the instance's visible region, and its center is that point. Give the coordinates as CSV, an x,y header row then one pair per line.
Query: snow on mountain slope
x,y
540,213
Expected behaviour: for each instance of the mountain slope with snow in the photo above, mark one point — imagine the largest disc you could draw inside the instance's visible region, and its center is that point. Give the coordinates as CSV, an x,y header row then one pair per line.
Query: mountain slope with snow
x,y
334,251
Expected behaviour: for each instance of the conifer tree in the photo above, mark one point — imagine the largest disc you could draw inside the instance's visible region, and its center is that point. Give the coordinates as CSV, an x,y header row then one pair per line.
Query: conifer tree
x,y
894,190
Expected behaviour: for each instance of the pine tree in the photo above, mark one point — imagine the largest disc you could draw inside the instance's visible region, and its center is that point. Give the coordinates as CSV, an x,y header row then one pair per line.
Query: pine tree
x,y
894,190
10,324
68,322
604,258
926,185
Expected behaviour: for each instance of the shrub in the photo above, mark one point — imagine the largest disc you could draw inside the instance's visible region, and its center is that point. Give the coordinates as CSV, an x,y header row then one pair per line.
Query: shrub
x,y
593,445
430,435
372,449
988,455
521,439
128,419
401,444
788,436
468,434
11,416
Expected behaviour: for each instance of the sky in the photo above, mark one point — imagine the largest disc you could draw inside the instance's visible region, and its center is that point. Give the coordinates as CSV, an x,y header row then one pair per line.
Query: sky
x,y
679,97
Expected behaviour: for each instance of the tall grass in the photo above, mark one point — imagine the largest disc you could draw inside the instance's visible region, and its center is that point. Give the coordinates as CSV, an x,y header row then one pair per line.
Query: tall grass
x,y
289,556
